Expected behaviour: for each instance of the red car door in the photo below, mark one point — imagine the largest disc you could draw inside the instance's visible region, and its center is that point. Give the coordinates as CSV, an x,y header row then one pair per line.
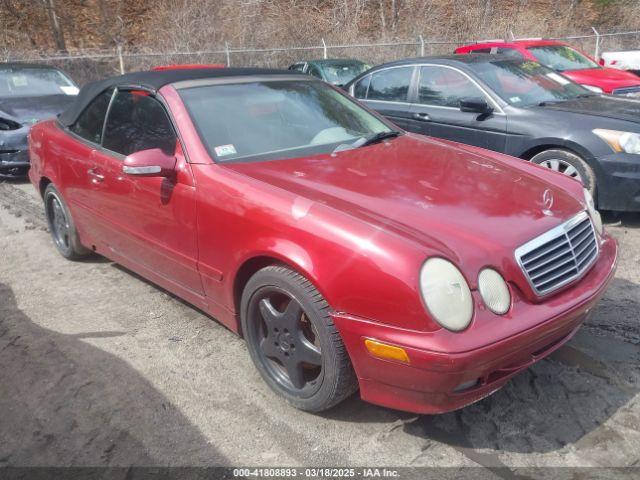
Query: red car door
x,y
148,222
76,157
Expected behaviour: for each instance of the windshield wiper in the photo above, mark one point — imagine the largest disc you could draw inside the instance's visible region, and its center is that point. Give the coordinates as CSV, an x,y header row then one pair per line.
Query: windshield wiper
x,y
562,100
551,102
375,138
364,141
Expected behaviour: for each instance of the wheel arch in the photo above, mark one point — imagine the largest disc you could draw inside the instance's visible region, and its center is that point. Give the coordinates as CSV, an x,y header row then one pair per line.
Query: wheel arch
x,y
556,144
296,261
246,271
43,184
575,149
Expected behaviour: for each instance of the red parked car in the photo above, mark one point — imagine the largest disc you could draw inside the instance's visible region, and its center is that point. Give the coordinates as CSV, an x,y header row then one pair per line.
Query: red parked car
x,y
347,253
563,58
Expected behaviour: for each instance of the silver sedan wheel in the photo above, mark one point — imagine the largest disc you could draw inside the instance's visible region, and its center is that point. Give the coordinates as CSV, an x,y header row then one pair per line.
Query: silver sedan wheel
x,y
562,167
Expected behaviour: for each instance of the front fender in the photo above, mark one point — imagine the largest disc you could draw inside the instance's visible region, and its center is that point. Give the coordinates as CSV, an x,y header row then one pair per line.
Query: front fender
x,y
359,269
552,142
267,252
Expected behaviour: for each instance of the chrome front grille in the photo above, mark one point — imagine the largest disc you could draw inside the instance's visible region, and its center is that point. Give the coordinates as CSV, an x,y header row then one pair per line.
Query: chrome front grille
x,y
560,255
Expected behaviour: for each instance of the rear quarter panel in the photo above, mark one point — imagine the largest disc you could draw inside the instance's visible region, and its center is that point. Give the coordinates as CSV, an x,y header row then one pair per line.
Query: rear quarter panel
x,y
47,148
61,159
37,139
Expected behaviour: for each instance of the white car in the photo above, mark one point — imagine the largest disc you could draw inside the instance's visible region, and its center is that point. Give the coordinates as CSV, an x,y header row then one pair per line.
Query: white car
x,y
629,60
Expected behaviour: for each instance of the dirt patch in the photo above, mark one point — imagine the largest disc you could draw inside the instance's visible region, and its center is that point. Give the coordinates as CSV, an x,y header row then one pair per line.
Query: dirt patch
x,y
100,367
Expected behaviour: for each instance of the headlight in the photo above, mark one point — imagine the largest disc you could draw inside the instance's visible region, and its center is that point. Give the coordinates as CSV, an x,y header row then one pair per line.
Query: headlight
x,y
593,213
494,291
592,88
446,294
627,142
6,124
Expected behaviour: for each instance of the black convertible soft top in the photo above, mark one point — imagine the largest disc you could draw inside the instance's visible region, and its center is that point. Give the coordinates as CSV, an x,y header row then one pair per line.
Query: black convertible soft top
x,y
153,80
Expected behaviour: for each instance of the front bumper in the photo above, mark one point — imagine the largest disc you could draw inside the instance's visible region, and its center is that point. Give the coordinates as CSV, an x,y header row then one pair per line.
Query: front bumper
x,y
14,163
14,153
619,182
439,380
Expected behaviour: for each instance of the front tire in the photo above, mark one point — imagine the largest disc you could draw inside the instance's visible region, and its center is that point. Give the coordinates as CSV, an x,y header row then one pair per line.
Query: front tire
x,y
570,164
293,342
61,226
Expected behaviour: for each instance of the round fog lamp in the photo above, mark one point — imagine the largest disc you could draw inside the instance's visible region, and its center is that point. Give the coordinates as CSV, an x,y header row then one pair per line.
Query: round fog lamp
x,y
494,291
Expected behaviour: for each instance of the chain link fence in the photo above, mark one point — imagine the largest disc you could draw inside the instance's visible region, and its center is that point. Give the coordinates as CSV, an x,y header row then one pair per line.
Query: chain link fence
x,y
92,65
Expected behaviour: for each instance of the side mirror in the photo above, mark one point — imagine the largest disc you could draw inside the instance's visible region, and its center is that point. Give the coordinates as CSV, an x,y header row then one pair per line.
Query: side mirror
x,y
475,105
150,163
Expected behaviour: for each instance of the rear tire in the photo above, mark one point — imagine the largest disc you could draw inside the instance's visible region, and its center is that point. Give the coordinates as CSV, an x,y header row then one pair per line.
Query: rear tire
x,y
570,164
293,342
61,226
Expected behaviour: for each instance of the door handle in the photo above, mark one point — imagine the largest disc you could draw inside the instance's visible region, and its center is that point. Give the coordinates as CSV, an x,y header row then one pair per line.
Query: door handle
x,y
423,117
95,176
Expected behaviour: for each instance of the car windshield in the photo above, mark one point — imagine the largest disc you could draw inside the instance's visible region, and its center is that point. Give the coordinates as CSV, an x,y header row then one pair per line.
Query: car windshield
x,y
523,83
342,73
34,82
270,120
562,57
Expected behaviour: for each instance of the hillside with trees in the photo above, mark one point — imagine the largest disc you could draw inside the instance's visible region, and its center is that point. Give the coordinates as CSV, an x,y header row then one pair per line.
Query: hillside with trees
x,y
71,25
105,37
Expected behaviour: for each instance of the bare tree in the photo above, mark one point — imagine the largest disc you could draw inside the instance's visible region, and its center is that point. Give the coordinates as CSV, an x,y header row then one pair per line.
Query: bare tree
x,y
383,20
55,25
27,30
394,14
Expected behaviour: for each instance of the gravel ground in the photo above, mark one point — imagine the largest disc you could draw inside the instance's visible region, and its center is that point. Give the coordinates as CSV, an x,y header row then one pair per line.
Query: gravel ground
x,y
99,367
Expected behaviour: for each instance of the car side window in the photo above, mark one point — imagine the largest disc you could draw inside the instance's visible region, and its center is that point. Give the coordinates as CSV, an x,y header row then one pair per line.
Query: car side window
x,y
511,52
90,122
481,50
298,67
360,88
315,71
136,122
444,87
391,85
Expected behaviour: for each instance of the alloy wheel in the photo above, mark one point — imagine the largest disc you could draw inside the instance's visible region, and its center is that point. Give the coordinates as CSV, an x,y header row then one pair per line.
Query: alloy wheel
x,y
286,341
59,223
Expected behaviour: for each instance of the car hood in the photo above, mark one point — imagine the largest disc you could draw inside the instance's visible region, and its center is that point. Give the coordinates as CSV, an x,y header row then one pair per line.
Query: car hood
x,y
446,196
29,110
608,106
605,78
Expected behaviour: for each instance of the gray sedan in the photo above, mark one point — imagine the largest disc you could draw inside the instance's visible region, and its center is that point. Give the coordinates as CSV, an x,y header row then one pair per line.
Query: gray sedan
x,y
517,107
28,93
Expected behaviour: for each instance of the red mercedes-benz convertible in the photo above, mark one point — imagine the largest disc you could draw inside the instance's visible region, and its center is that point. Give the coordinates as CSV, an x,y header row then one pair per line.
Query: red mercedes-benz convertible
x,y
346,252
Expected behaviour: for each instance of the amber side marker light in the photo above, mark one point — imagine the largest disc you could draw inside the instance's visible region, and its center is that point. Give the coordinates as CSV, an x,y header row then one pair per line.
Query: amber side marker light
x,y
386,351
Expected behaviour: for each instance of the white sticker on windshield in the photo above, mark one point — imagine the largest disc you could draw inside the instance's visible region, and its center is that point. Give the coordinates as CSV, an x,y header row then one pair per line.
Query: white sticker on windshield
x,y
70,90
515,99
558,78
19,80
223,150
